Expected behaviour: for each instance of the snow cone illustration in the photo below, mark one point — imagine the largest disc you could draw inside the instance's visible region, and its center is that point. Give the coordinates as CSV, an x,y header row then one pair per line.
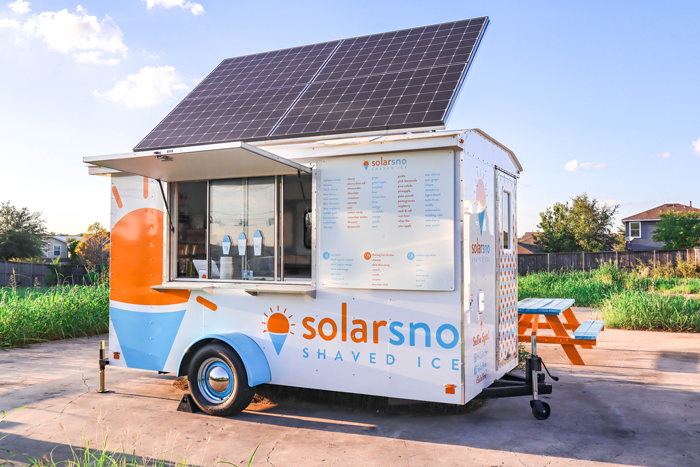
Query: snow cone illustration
x,y
278,327
481,203
366,164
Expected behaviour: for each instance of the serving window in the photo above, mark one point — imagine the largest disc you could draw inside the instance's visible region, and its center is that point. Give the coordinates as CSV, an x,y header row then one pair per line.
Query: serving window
x,y
243,229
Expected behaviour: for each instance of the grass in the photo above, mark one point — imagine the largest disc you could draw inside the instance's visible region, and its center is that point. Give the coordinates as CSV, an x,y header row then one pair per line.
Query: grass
x,y
41,314
592,288
114,452
653,312
680,289
648,298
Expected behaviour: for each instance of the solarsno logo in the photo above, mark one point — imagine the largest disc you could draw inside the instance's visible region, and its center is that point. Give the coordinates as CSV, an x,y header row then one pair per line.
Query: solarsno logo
x,y
480,253
479,248
384,163
361,332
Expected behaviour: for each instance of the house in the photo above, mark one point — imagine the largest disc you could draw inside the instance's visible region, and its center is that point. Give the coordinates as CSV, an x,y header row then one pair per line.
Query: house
x,y
526,245
640,227
56,246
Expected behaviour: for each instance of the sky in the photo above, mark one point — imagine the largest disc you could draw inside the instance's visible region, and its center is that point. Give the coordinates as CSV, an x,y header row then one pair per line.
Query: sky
x,y
601,97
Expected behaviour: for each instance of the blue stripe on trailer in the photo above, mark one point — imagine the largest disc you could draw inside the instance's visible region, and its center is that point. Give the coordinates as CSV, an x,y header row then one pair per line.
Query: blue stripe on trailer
x,y
589,330
146,338
256,366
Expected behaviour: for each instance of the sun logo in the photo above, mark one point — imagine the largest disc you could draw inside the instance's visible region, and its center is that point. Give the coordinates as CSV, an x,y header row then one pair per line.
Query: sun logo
x,y
368,255
277,326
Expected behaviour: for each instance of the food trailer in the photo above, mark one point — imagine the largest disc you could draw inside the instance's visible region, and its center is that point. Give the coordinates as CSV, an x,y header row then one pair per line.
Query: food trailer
x,y
361,260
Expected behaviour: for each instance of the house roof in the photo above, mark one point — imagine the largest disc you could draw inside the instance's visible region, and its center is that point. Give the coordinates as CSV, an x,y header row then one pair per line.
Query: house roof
x,y
655,213
57,238
526,245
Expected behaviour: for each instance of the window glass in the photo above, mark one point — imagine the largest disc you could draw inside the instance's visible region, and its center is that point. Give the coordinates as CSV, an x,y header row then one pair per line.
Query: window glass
x,y
260,213
191,229
57,250
296,233
507,220
242,209
635,229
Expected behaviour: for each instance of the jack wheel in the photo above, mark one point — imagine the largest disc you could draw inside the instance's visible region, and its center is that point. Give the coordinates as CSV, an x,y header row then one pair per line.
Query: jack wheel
x,y
540,410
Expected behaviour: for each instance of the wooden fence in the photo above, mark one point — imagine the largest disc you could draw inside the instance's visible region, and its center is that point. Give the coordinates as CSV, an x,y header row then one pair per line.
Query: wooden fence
x,y
582,261
30,274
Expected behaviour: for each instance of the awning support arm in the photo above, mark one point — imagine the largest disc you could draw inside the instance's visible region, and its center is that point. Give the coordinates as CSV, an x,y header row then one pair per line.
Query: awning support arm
x,y
301,185
165,201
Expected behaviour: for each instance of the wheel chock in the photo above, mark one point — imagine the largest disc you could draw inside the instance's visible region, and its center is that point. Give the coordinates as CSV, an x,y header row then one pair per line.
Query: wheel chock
x,y
187,404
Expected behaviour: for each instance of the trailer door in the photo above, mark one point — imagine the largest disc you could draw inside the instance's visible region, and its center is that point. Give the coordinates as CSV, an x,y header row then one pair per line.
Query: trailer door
x,y
507,270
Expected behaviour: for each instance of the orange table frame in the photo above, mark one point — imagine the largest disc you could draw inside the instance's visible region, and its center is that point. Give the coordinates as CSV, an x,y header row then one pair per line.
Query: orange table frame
x,y
561,335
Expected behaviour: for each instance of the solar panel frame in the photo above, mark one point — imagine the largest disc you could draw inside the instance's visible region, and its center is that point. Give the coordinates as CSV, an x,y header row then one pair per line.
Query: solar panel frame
x,y
402,79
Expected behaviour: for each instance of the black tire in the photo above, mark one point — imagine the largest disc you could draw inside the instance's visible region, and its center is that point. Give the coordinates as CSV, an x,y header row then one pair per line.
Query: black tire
x,y
212,367
540,410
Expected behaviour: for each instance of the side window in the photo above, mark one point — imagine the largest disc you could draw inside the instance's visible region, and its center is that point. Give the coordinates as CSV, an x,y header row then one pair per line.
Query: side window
x,y
635,229
57,250
507,221
256,228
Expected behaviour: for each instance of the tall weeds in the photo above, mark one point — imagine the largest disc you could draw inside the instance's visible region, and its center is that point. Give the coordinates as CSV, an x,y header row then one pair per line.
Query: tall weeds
x,y
592,288
652,312
645,298
38,315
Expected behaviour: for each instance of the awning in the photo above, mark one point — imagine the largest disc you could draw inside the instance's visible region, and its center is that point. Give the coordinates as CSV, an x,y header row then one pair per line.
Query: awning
x,y
209,162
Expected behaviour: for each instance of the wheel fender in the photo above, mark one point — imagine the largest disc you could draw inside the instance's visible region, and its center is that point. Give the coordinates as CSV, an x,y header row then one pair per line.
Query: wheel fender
x,y
256,366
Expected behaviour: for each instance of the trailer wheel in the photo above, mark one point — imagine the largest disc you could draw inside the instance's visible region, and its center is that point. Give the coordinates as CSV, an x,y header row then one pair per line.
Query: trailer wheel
x,y
540,409
218,380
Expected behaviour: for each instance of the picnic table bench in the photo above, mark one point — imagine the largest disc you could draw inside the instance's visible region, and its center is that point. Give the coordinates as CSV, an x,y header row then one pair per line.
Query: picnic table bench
x,y
584,334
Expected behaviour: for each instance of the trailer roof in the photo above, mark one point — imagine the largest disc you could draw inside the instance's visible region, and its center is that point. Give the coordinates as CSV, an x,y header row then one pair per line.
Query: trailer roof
x,y
239,159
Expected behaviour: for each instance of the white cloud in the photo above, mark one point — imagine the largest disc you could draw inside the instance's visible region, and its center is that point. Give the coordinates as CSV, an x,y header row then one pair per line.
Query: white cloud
x,y
588,165
195,8
665,155
9,23
150,86
696,145
64,31
574,165
611,202
19,7
94,57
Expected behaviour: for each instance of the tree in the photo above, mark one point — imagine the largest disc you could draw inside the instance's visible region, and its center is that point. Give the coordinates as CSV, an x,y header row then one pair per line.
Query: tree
x,y
583,226
94,247
678,230
621,238
73,244
20,232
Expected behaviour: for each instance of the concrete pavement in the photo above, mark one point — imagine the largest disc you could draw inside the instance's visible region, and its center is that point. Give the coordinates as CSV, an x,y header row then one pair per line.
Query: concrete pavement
x,y
636,402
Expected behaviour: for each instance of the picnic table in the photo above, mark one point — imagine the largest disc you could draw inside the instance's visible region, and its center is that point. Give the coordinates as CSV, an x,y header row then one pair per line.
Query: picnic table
x,y
583,335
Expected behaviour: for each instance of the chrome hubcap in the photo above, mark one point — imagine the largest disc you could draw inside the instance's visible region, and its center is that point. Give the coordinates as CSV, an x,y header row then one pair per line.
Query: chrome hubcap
x,y
215,381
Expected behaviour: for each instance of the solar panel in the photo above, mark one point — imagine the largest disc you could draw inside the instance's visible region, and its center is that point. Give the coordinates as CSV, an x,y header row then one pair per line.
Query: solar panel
x,y
400,79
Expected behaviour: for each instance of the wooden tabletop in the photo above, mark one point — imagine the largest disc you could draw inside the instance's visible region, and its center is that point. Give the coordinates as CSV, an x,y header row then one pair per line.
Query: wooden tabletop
x,y
544,306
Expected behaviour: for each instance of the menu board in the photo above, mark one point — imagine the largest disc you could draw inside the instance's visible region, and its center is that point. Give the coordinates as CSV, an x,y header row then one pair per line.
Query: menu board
x,y
387,222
